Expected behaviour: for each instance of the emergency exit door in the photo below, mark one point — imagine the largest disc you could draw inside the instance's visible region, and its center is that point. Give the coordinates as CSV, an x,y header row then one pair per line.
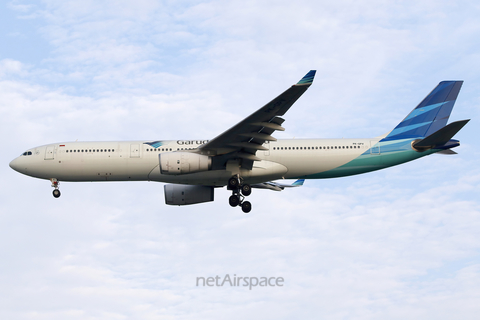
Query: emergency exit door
x,y
134,150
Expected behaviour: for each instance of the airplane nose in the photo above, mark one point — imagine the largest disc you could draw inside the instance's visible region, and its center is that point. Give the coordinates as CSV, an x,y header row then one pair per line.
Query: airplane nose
x,y
14,165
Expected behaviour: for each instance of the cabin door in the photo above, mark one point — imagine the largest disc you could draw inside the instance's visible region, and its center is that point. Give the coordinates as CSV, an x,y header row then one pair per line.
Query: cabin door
x,y
50,153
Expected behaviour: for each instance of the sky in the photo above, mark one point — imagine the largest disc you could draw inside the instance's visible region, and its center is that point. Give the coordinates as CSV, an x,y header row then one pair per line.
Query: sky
x,y
393,244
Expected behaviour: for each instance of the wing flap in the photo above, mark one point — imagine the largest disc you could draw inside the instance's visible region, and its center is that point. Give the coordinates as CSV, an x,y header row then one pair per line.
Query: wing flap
x,y
269,125
260,136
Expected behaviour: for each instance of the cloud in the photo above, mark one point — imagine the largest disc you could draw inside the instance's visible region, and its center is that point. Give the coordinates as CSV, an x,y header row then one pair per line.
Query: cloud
x,y
397,243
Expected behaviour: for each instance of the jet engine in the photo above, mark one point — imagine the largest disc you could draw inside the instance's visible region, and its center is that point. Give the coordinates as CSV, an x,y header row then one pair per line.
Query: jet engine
x,y
180,194
175,163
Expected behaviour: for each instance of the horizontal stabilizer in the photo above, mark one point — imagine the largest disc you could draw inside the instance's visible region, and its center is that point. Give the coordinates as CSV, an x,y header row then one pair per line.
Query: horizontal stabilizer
x,y
447,152
441,136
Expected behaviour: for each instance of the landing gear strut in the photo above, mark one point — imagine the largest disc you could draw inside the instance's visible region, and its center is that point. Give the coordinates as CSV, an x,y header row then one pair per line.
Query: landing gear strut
x,y
55,183
239,192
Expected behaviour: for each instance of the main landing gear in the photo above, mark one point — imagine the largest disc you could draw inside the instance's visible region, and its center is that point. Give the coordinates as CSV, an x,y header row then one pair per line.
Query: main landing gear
x,y
239,192
55,183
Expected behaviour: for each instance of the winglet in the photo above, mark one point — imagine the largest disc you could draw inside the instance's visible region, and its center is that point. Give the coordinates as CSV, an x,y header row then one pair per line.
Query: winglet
x,y
298,183
307,79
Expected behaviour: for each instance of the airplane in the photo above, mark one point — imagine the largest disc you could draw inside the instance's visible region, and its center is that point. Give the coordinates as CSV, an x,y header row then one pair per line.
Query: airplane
x,y
247,156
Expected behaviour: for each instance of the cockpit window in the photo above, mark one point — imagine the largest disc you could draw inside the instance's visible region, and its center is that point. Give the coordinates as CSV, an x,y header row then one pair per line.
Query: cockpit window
x,y
27,153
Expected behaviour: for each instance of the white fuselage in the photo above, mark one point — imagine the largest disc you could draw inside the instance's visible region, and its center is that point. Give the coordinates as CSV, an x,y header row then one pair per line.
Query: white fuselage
x,y
139,161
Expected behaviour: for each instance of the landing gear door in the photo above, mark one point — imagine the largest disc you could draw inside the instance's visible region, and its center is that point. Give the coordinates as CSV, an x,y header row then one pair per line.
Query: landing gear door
x,y
50,153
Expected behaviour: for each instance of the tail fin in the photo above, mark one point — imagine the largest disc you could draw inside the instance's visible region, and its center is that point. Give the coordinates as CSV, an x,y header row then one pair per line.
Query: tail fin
x,y
430,115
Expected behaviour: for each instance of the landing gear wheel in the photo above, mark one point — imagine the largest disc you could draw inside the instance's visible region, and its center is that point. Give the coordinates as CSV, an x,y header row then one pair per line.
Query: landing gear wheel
x,y
246,206
56,193
246,190
234,200
233,183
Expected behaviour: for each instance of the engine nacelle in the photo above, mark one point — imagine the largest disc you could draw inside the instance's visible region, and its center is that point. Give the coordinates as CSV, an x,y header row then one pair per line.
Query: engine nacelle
x,y
180,195
176,163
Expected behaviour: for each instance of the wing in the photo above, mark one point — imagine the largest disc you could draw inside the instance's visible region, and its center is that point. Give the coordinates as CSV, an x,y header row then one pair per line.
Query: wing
x,y
278,186
244,139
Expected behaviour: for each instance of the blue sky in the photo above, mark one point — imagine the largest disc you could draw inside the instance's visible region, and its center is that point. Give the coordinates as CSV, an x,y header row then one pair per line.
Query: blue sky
x,y
397,243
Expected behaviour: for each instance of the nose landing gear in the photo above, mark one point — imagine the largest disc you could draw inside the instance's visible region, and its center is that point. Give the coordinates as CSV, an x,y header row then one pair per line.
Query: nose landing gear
x,y
239,192
55,183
